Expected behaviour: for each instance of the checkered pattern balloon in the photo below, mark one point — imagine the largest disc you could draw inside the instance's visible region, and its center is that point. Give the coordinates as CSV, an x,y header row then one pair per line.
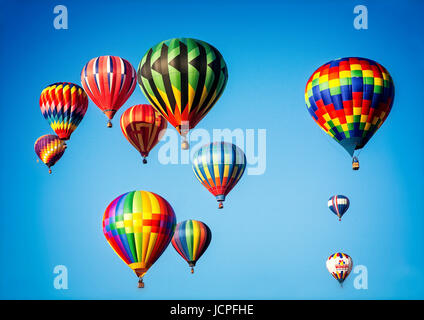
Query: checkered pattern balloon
x,y
350,98
139,226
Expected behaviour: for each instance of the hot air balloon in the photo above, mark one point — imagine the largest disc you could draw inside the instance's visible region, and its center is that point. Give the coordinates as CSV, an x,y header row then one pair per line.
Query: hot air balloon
x,y
339,265
49,148
182,78
190,240
219,166
109,81
350,98
143,127
139,226
339,205
63,104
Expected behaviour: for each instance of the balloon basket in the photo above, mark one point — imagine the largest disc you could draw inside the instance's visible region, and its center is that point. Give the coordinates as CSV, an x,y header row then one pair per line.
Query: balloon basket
x,y
140,283
109,124
184,145
192,270
220,205
50,171
144,161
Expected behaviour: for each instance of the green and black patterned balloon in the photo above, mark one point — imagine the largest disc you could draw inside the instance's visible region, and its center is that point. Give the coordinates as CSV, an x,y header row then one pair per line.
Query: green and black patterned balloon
x,y
182,78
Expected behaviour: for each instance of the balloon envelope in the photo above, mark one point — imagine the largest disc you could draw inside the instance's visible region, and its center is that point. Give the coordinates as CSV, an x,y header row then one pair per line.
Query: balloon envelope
x,y
139,226
219,166
191,239
339,265
338,205
63,104
350,98
143,127
109,81
182,78
49,148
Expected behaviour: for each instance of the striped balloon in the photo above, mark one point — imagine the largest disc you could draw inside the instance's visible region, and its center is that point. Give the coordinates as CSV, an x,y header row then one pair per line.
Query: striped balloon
x,y
350,98
63,104
182,78
109,81
219,166
143,127
139,226
339,205
339,265
191,239
49,148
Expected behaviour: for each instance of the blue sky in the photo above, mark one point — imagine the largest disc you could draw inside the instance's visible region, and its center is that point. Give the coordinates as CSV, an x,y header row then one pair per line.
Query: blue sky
x,y
272,238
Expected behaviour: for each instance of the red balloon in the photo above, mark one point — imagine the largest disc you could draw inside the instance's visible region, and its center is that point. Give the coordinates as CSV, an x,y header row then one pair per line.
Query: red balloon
x,y
143,127
109,81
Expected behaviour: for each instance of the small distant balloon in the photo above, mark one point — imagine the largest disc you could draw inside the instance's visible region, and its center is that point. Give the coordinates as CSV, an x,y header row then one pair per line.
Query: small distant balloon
x,y
191,239
49,148
339,265
338,205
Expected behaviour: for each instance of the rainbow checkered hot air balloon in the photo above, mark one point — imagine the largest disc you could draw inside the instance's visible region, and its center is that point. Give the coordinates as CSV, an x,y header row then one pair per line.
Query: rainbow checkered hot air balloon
x,y
182,78
63,104
339,205
139,226
191,239
49,148
350,98
143,127
339,265
219,166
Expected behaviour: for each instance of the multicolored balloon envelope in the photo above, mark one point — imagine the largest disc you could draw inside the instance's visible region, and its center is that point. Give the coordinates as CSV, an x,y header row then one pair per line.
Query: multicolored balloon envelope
x,y
182,78
339,265
109,81
49,148
63,104
350,98
338,205
219,166
143,127
139,226
191,239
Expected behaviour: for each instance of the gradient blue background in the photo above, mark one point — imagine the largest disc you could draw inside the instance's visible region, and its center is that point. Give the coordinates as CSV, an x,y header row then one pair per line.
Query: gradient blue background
x,y
275,233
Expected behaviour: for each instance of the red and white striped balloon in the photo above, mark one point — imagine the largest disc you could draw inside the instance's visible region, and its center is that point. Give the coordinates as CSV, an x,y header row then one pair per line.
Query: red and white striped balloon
x,y
109,81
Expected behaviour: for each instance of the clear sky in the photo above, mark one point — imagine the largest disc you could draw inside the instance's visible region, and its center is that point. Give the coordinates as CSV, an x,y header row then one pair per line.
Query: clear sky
x,y
275,233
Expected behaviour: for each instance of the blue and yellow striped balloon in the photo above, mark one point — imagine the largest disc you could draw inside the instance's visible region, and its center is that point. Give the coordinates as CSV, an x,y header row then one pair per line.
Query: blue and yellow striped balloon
x,y
219,166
